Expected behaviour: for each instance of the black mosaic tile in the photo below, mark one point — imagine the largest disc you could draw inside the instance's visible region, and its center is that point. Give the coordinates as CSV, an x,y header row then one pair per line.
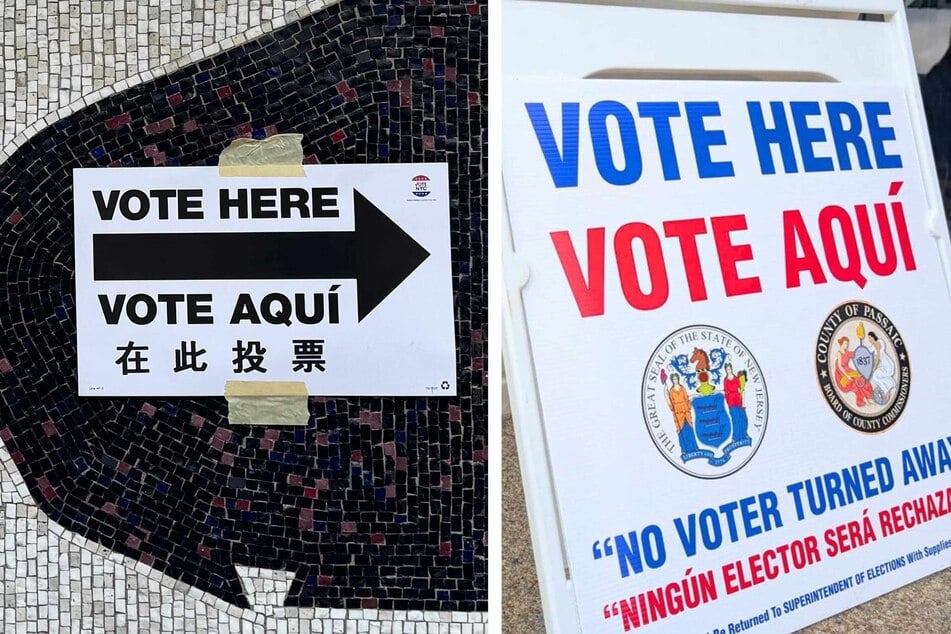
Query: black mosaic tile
x,y
378,502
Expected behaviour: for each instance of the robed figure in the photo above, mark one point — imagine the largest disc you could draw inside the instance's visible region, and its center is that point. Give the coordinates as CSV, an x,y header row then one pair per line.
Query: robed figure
x,y
678,399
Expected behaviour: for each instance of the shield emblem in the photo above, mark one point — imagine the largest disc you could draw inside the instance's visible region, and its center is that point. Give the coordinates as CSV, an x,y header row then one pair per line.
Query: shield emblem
x,y
712,422
863,361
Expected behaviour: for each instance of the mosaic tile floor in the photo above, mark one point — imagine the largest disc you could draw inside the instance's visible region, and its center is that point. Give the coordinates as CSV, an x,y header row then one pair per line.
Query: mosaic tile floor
x,y
378,505
55,581
56,53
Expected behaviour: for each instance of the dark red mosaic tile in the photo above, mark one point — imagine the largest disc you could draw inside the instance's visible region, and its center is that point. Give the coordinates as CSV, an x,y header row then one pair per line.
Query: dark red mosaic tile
x,y
118,120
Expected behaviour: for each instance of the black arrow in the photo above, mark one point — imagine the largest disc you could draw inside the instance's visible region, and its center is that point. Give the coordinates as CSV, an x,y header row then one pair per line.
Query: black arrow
x,y
377,253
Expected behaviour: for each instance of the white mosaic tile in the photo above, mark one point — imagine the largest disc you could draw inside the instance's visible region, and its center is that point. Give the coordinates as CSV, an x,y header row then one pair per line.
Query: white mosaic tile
x,y
57,52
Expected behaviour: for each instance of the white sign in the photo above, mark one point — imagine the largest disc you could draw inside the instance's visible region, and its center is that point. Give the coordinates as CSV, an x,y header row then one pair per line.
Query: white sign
x,y
342,279
735,309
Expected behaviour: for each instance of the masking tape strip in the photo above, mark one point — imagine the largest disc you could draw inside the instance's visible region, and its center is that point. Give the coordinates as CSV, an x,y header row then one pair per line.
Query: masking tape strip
x,y
276,156
257,171
267,402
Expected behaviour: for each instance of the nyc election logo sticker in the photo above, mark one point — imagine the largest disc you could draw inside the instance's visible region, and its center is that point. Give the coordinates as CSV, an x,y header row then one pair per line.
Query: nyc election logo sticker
x,y
421,186
704,401
863,367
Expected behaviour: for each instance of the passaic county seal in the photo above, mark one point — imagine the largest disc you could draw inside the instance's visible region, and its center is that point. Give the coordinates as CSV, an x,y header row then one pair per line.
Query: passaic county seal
x,y
862,366
704,401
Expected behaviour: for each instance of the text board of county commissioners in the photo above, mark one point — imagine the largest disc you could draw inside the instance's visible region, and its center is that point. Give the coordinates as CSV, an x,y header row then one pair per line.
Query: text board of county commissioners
x,y
736,313
341,278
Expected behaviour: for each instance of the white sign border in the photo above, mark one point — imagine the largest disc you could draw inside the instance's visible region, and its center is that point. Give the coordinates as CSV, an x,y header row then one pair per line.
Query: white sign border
x,y
374,177
523,56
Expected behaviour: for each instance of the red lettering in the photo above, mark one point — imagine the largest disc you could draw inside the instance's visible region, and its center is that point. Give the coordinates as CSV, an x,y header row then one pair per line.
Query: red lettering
x,y
921,512
904,241
729,578
897,519
850,269
908,514
756,570
730,254
656,269
589,295
630,616
686,232
833,545
794,236
769,563
889,261
885,521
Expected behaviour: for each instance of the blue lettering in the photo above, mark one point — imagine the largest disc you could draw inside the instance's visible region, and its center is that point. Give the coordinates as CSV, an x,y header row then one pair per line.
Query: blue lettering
x,y
655,552
563,165
844,137
710,529
879,134
796,490
628,554
886,481
835,489
749,514
661,112
808,136
868,478
629,550
703,138
766,137
597,121
688,537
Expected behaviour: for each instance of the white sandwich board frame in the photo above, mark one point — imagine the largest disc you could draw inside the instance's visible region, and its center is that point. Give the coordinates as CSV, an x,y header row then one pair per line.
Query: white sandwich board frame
x,y
811,40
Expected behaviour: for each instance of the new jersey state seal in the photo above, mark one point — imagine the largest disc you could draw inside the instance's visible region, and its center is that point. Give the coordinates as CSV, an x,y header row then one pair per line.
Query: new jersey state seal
x,y
704,401
863,367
